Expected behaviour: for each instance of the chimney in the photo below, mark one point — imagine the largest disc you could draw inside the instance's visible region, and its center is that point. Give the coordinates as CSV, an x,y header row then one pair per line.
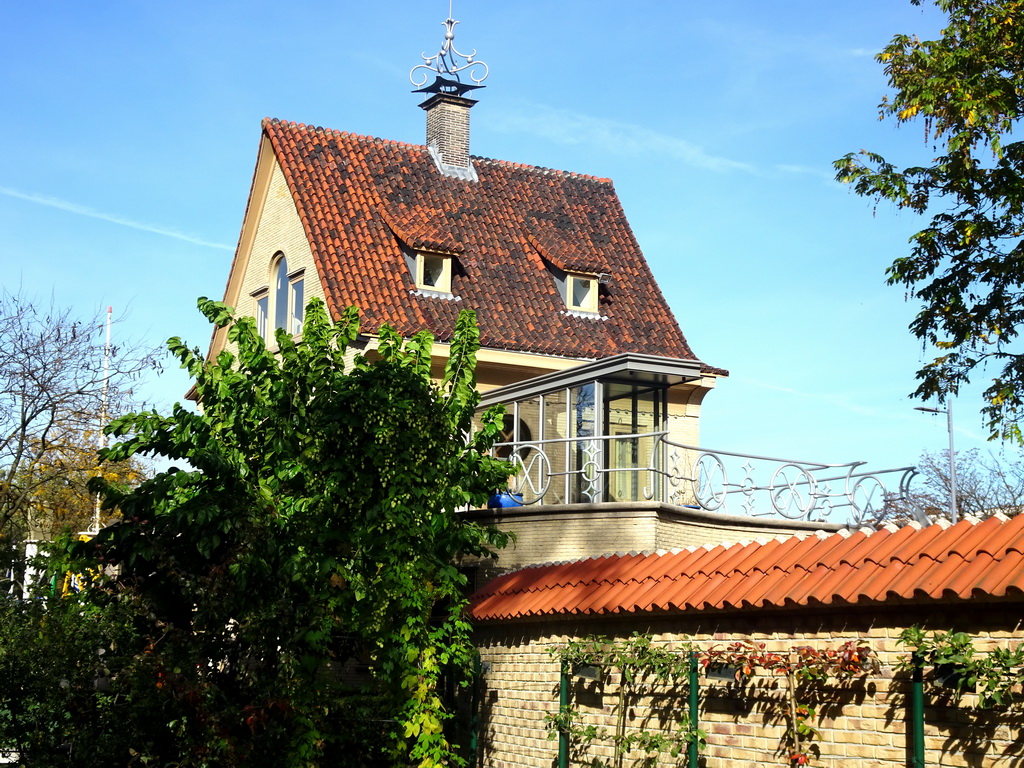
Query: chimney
x,y
447,105
448,132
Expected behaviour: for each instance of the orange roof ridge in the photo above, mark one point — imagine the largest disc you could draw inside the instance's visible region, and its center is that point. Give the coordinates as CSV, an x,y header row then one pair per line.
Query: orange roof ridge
x,y
969,560
543,169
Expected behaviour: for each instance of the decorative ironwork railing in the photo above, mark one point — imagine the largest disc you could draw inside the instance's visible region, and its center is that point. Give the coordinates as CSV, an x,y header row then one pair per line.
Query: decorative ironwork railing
x,y
649,466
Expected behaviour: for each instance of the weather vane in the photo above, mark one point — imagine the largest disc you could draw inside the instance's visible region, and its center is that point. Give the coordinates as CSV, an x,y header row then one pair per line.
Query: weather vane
x,y
449,62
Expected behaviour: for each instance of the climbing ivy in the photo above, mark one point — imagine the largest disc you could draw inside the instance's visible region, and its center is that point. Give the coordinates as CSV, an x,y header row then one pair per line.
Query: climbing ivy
x,y
807,671
996,676
641,667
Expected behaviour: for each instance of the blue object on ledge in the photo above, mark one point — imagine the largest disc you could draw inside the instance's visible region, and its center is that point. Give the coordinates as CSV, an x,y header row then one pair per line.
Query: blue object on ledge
x,y
505,499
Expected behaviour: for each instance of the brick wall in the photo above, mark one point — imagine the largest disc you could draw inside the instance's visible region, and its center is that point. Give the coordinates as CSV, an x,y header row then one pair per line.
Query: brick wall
x,y
448,129
553,533
865,725
278,230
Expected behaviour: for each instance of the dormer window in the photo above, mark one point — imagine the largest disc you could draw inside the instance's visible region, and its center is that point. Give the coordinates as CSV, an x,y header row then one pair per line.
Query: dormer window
x,y
283,301
434,272
581,292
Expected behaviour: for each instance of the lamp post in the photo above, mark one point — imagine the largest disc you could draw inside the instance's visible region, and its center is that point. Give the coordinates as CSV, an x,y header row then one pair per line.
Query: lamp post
x,y
948,410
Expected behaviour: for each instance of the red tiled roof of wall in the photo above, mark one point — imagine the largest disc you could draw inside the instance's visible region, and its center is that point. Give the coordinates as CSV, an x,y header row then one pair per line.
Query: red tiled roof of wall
x,y
362,199
968,560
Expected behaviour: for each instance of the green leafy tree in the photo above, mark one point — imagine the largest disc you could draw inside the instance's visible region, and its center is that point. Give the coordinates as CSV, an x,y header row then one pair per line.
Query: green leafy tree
x,y
967,265
68,683
315,531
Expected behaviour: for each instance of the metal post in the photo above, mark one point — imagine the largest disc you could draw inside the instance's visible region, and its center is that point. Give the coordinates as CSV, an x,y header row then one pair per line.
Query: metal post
x,y
917,711
952,463
563,707
692,753
948,410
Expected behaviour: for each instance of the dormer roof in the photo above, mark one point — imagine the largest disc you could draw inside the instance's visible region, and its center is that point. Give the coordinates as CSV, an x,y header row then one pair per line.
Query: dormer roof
x,y
368,204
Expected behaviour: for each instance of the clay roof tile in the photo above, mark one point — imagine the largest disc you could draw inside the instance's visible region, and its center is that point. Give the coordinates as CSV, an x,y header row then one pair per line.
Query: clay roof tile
x,y
364,202
944,564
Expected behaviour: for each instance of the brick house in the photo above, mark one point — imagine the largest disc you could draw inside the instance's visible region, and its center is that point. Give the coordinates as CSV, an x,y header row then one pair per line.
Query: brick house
x,y
603,395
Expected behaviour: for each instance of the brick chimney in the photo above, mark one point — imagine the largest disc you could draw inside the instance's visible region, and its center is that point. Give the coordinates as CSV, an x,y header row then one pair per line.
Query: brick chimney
x,y
448,133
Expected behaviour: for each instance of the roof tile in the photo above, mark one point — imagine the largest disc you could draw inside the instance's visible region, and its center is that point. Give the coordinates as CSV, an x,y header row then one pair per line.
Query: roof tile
x,y
967,560
365,203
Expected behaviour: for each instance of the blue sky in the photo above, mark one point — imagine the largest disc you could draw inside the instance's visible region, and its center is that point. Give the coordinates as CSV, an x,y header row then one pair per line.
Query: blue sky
x,y
132,127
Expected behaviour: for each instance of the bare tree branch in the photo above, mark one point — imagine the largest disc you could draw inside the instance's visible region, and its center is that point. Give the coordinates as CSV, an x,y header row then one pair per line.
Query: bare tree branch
x,y
51,400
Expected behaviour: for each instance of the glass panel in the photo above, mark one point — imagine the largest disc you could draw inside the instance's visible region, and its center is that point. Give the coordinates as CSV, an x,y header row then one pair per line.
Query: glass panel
x,y
585,453
434,272
297,306
281,295
630,410
581,293
556,427
262,315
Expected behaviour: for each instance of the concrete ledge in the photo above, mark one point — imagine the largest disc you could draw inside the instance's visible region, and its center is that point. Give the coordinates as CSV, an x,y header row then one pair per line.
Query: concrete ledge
x,y
646,508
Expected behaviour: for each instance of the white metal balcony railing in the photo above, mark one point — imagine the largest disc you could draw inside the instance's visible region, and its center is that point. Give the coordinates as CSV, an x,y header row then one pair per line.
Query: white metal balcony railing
x,y
578,471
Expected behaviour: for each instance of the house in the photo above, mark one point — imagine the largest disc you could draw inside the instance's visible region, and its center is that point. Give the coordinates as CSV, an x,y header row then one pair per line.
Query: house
x,y
603,393
624,523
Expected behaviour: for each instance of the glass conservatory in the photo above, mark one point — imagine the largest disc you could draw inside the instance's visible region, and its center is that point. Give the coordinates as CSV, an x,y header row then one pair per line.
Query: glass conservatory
x,y
613,431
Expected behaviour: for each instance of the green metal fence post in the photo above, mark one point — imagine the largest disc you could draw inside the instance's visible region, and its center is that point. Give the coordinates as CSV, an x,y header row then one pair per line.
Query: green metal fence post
x,y
563,707
692,753
917,710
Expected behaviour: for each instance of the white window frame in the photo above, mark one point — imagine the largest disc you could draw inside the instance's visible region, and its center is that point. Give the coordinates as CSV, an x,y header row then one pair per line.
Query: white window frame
x,y
444,283
591,302
293,292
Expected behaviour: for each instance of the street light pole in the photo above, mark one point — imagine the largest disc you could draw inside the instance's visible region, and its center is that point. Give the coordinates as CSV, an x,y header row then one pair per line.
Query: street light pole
x,y
948,410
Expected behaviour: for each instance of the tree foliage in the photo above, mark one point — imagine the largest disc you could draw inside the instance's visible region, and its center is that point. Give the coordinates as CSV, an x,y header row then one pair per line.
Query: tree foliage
x,y
315,531
52,376
967,265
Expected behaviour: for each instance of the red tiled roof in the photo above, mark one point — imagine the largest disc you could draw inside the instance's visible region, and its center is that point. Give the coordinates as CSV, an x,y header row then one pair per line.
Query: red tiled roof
x,y
362,199
941,562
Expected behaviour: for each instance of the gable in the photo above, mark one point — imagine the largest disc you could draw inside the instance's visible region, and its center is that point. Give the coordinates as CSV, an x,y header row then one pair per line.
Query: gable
x,y
271,229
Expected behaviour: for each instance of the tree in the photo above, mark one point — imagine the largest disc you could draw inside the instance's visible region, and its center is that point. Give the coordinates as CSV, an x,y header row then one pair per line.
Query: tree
x,y
985,485
53,376
967,265
316,530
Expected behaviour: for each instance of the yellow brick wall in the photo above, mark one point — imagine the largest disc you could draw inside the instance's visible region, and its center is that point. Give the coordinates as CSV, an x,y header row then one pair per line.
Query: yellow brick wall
x,y
866,725
546,534
278,229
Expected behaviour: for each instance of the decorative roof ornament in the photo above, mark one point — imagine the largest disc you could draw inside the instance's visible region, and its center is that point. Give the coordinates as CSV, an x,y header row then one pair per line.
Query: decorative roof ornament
x,y
446,65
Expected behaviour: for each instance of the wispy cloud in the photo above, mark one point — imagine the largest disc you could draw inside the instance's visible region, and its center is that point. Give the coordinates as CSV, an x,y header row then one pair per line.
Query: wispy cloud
x,y
565,127
838,401
806,171
81,210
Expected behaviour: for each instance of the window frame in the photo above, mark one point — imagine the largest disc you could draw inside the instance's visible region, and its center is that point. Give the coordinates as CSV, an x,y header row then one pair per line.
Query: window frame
x,y
592,303
285,284
444,284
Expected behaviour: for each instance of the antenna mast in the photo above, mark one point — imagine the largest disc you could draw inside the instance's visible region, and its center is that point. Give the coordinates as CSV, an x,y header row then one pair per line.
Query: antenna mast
x,y
103,414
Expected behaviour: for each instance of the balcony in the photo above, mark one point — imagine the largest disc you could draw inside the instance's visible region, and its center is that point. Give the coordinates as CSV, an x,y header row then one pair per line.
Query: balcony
x,y
615,430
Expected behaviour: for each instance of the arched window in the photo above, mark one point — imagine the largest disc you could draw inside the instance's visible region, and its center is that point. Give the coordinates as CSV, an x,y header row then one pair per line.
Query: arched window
x,y
283,302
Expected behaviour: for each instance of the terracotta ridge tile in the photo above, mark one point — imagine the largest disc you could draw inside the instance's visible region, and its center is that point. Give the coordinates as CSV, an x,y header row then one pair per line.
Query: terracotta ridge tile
x,y
1014,533
967,536
966,579
732,557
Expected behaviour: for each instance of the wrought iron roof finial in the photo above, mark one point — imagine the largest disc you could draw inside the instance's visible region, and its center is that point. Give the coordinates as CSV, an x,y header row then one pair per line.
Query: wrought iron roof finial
x,y
448,63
